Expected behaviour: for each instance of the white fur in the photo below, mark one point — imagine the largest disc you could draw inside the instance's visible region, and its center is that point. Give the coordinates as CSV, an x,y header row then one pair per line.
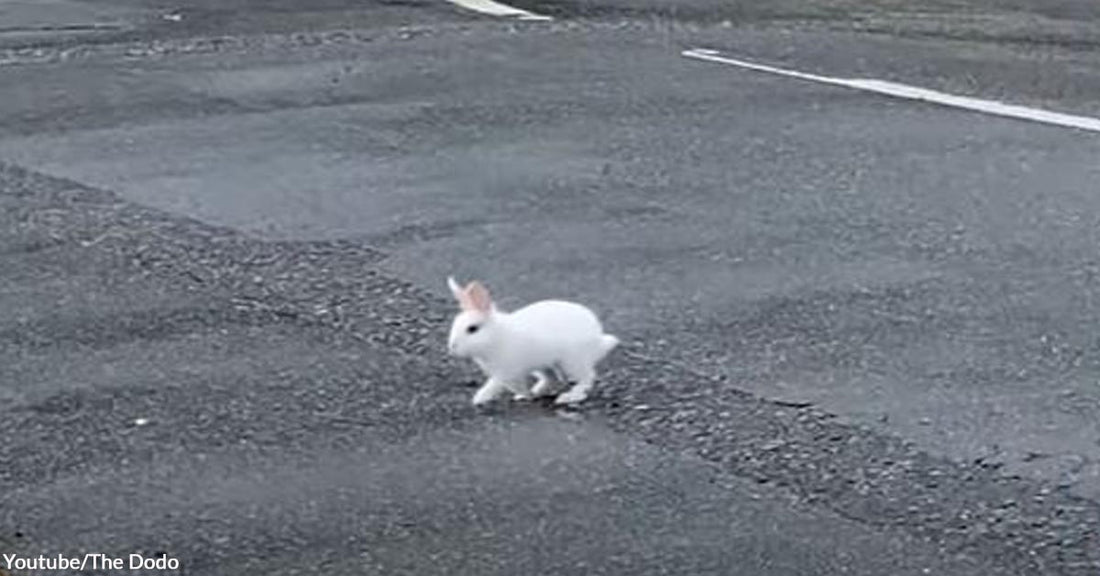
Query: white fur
x,y
545,338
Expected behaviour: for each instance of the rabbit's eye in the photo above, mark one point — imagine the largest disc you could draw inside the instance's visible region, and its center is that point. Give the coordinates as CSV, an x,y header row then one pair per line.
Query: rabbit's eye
x,y
472,329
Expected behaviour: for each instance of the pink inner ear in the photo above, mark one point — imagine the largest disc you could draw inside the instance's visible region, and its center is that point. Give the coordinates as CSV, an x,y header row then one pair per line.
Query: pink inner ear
x,y
478,297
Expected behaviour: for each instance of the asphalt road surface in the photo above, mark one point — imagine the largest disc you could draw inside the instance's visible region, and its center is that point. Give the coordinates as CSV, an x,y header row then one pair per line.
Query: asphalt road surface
x,y
859,332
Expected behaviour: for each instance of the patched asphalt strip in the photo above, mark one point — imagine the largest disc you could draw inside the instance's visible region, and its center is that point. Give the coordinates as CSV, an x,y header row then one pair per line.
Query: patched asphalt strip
x,y
336,290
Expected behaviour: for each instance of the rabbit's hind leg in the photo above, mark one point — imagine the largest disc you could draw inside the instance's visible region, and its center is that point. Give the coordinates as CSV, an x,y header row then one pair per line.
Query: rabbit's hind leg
x,y
585,377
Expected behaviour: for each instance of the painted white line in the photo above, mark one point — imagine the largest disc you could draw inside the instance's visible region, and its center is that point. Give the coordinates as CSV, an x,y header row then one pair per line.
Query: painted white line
x,y
497,9
913,93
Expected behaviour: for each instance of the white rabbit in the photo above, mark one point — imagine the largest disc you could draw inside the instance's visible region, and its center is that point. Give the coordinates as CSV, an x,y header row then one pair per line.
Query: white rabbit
x,y
546,338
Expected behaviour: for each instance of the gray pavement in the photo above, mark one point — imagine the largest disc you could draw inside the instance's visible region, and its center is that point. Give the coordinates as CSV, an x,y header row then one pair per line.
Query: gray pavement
x,y
178,389
858,331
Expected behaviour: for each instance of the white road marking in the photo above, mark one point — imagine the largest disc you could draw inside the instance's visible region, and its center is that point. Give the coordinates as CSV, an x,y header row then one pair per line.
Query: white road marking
x,y
497,9
913,93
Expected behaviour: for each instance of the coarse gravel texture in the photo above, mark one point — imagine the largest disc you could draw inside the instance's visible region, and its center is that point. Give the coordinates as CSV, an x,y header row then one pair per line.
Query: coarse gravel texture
x,y
335,291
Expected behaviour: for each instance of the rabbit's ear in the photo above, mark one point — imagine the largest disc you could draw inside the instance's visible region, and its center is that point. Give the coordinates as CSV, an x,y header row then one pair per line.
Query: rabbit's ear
x,y
461,294
479,298
456,290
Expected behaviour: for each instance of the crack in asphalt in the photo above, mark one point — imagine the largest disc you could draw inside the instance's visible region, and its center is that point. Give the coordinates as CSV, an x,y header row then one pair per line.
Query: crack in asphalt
x,y
145,49
60,28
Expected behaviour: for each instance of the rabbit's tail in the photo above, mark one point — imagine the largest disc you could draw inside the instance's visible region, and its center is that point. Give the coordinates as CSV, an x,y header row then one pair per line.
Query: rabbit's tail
x,y
607,344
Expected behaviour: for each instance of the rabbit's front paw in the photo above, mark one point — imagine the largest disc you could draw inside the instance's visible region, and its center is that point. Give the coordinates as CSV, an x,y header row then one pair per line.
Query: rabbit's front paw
x,y
484,396
488,391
